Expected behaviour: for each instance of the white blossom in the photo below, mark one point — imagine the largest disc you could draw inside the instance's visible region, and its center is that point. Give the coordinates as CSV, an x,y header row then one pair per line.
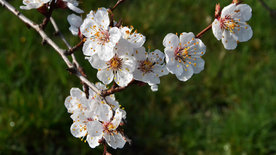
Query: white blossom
x,y
150,66
33,4
231,26
120,67
75,23
101,39
183,55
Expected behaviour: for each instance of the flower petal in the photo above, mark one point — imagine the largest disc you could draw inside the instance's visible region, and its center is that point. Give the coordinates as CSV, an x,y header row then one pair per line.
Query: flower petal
x,y
78,129
105,75
122,78
186,37
93,141
115,140
228,41
171,41
217,31
186,74
94,128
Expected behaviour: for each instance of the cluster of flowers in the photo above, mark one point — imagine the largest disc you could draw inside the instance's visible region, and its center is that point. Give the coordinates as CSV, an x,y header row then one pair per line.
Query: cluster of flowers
x,y
96,119
119,55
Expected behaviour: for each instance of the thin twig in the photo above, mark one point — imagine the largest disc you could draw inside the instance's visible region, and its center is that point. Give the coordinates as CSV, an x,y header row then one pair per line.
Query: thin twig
x,y
48,15
80,69
115,6
115,89
73,49
49,41
271,11
199,35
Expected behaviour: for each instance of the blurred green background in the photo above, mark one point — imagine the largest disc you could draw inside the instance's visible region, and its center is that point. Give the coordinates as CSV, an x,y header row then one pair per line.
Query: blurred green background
x,y
229,108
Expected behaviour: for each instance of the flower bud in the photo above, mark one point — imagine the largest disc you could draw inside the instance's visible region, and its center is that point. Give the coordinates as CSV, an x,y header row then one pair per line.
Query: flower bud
x,y
217,10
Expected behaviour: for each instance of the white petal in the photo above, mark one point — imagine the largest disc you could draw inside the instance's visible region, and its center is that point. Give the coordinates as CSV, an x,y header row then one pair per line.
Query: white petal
x,y
228,41
78,129
171,41
115,140
216,29
228,10
90,47
156,56
96,62
104,112
161,70
170,58
93,141
76,92
74,20
115,35
197,64
187,73
154,87
106,76
94,128
140,54
122,78
175,68
243,12
244,32
74,8
88,27
105,52
102,17
117,119
74,30
137,40
186,37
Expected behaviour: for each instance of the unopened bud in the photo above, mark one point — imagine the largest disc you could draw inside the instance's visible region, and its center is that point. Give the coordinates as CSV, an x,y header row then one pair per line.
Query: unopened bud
x,y
237,2
217,10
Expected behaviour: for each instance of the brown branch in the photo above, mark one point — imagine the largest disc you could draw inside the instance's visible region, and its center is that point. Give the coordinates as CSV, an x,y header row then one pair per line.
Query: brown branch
x,y
199,35
48,15
49,41
271,11
73,49
116,5
115,89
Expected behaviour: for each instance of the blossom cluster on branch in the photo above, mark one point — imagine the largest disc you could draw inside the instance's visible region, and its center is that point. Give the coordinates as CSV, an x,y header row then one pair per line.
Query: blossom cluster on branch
x,y
118,54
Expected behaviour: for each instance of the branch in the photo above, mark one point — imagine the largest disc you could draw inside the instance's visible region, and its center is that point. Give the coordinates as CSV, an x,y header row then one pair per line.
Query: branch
x,y
46,39
48,15
73,49
199,35
115,89
271,11
115,6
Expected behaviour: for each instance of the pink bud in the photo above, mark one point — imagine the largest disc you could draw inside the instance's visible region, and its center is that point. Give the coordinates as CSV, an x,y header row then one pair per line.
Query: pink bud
x,y
217,10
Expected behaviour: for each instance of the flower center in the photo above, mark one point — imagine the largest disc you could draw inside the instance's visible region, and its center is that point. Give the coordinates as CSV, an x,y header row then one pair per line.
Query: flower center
x,y
108,127
115,63
146,66
102,36
181,53
228,23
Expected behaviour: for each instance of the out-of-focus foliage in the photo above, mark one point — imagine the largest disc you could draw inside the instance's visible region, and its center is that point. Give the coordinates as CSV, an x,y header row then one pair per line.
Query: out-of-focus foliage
x,y
230,107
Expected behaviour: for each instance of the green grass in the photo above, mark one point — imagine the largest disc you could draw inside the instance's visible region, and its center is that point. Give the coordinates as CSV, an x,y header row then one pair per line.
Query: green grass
x,y
229,108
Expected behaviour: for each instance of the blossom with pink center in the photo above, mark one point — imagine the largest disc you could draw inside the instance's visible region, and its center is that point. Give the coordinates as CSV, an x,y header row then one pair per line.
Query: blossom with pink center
x,y
183,55
150,67
119,68
101,39
231,26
